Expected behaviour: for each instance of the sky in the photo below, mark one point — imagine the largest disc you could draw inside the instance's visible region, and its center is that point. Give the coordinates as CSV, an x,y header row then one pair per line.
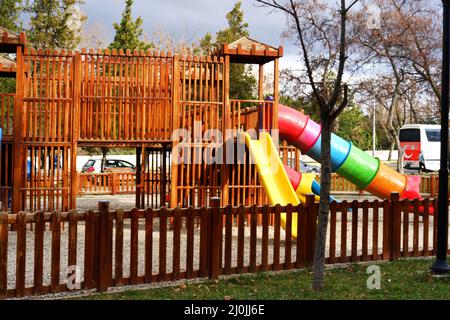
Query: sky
x,y
194,18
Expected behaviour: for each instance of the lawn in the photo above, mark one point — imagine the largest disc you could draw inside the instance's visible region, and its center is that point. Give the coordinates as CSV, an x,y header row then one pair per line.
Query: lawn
x,y
401,279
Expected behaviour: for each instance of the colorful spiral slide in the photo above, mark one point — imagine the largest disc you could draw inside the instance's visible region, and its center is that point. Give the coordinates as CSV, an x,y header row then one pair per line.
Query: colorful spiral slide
x,y
366,172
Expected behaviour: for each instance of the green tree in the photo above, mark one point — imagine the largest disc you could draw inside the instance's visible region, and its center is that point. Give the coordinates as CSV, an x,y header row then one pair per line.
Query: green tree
x,y
354,126
10,14
242,82
129,33
55,24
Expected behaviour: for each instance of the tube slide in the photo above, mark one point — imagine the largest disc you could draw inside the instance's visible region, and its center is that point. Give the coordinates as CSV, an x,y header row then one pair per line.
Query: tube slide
x,y
347,160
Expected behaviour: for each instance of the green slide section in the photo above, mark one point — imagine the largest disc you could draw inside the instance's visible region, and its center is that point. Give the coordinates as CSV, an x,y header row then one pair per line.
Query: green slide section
x,y
359,167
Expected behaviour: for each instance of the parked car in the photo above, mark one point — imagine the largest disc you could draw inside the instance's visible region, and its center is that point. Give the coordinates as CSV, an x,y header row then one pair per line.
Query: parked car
x,y
111,165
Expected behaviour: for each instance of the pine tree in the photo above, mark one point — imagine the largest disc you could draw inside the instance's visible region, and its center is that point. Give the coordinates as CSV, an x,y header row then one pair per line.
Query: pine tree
x,y
10,14
128,32
242,82
55,24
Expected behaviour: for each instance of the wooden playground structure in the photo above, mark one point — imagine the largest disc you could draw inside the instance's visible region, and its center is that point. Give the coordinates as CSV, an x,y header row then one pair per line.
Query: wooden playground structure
x,y
65,100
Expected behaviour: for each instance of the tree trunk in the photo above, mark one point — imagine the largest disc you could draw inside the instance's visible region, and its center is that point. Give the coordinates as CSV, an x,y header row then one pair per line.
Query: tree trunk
x,y
391,149
401,152
104,154
325,180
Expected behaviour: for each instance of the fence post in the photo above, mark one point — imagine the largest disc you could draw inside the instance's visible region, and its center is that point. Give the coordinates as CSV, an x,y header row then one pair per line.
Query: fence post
x,y
215,238
395,225
104,237
311,227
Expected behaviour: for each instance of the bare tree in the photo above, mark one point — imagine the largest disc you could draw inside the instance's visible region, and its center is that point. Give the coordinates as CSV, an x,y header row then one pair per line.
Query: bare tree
x,y
321,33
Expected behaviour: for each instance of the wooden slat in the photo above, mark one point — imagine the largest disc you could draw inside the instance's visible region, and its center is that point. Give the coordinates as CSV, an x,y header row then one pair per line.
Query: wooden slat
x,y
426,226
134,243
343,250
288,239
375,220
89,251
265,238
355,230
241,238
405,235
56,251
333,209
190,243
365,231
148,245
253,243
416,229
162,244
118,269
72,241
21,254
38,252
176,250
276,238
228,237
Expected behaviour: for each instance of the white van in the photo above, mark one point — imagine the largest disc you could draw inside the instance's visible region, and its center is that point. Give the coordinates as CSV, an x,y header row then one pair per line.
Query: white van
x,y
425,138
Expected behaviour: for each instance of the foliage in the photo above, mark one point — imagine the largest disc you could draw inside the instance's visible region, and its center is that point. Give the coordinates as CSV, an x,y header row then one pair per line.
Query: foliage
x,y
354,126
7,85
10,13
129,33
55,24
242,82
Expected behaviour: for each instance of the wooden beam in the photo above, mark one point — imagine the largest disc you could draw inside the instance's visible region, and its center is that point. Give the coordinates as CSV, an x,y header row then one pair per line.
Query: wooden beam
x,y
17,124
175,125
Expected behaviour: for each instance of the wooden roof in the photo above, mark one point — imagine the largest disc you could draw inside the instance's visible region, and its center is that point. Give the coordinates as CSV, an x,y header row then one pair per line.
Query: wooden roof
x,y
9,41
7,67
247,50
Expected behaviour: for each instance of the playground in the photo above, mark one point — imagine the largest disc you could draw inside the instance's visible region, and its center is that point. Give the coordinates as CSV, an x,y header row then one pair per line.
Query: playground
x,y
244,212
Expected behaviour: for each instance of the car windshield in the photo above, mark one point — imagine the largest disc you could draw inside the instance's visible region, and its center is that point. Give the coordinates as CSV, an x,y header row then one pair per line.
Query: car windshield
x,y
124,164
90,163
433,135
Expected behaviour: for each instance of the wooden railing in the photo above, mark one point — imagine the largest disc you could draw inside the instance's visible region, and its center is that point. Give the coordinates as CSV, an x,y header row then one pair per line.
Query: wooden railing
x,y
125,182
251,114
201,242
107,183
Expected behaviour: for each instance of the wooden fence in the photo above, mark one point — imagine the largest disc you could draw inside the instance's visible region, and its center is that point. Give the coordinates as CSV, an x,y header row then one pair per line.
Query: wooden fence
x,y
116,248
125,183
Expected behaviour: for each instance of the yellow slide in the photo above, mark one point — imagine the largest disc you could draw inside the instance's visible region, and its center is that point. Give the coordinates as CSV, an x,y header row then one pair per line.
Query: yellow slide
x,y
273,176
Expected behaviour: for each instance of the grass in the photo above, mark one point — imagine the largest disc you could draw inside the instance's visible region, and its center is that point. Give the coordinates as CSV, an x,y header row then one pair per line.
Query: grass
x,y
401,279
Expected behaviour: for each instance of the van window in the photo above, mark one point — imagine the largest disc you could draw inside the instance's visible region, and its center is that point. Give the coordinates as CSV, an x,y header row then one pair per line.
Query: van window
x,y
433,135
410,135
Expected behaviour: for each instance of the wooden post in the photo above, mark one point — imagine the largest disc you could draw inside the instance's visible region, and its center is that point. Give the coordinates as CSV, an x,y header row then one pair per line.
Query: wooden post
x,y
274,124
17,130
311,226
226,124
175,125
261,82
105,247
75,123
215,238
395,225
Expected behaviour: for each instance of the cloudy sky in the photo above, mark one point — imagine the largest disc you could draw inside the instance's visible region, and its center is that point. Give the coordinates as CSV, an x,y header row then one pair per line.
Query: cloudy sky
x,y
193,18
